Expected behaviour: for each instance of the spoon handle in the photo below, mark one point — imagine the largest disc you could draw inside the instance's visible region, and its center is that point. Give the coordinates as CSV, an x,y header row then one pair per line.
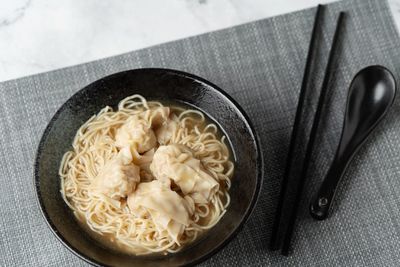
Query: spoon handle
x,y
321,204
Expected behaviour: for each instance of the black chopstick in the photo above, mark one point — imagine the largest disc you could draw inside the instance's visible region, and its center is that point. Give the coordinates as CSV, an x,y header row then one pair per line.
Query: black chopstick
x,y
274,244
313,135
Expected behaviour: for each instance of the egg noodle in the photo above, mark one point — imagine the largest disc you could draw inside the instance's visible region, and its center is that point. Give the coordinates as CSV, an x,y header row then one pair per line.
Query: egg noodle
x,y
130,214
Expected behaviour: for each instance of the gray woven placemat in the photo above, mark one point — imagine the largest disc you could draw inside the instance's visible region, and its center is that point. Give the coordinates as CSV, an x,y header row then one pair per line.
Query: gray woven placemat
x,y
261,65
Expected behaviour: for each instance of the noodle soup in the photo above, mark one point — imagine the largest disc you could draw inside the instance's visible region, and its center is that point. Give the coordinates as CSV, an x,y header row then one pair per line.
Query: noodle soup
x,y
147,178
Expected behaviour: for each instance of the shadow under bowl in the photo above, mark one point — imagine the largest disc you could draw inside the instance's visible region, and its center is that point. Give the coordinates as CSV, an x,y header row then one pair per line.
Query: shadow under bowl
x,y
166,86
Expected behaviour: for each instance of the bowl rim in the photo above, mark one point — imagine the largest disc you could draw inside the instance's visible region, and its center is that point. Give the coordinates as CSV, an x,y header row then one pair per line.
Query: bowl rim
x,y
247,121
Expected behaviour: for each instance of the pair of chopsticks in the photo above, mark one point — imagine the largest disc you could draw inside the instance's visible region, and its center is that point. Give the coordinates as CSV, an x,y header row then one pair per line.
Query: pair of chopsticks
x,y
288,231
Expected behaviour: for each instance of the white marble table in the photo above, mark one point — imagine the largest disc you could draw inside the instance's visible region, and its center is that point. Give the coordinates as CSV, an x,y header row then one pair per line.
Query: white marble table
x,y
41,35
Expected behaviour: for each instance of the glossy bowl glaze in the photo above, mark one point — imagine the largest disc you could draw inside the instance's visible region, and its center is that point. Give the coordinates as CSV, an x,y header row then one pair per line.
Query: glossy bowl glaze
x,y
154,84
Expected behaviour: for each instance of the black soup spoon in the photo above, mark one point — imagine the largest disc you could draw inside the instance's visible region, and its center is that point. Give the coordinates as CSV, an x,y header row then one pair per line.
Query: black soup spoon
x,y
371,93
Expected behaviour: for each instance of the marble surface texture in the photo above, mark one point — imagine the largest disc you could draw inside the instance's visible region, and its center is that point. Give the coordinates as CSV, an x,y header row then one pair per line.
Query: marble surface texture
x,y
41,35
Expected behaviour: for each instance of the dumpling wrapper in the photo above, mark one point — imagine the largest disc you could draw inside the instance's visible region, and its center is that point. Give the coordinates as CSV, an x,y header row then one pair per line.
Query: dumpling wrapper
x,y
159,197
156,116
176,162
165,133
117,178
137,133
142,160
159,116
168,210
174,228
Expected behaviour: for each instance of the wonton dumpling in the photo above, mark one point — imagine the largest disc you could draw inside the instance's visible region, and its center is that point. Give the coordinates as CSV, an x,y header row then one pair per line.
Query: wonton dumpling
x,y
136,132
177,162
168,210
117,178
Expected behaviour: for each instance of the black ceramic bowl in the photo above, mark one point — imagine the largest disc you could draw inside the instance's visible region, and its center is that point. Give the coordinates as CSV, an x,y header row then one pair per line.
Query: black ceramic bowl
x,y
153,84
